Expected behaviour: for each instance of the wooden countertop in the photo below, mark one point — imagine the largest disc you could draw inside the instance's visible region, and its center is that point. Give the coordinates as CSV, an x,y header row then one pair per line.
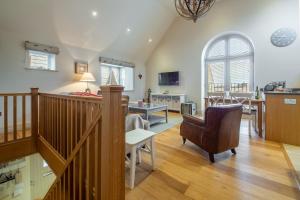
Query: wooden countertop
x,y
282,93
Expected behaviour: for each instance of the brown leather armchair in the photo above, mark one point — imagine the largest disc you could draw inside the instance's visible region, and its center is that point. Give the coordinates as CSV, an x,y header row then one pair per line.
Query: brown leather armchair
x,y
219,131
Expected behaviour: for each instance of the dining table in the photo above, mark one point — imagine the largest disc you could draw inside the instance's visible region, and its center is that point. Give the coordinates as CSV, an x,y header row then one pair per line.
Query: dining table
x,y
258,103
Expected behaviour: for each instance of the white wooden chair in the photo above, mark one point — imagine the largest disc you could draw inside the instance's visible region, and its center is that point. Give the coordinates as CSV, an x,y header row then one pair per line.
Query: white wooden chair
x,y
216,98
245,98
134,140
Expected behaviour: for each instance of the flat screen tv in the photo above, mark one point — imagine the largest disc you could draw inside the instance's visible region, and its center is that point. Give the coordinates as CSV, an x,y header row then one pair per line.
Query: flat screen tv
x,y
168,78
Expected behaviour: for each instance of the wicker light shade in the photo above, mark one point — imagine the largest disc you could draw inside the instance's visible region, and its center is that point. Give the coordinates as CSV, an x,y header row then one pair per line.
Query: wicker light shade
x,y
193,9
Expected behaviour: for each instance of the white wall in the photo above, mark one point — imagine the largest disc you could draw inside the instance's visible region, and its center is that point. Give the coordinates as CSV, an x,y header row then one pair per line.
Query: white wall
x,y
14,78
182,47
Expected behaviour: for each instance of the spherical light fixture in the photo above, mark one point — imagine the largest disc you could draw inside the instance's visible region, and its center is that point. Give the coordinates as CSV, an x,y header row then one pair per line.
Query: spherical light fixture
x,y
193,9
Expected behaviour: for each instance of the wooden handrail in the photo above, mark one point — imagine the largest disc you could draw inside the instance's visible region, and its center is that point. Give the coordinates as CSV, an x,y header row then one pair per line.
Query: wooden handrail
x,y
72,97
14,94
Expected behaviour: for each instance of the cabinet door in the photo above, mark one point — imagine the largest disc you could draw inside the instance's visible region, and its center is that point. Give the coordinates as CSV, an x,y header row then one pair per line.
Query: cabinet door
x,y
169,102
154,99
161,100
176,103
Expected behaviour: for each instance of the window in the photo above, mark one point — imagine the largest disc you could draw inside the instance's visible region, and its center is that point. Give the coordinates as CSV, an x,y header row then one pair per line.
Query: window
x,y
229,64
124,75
40,60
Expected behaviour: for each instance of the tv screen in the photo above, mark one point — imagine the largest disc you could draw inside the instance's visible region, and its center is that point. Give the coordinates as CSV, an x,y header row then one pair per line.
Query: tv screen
x,y
168,78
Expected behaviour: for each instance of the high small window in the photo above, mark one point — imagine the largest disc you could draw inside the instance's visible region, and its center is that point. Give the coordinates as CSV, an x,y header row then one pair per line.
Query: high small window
x,y
229,64
41,60
124,75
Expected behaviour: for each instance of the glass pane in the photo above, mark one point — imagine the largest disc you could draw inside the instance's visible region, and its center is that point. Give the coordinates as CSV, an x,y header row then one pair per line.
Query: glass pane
x,y
215,78
40,60
116,72
240,75
126,78
104,74
217,50
238,47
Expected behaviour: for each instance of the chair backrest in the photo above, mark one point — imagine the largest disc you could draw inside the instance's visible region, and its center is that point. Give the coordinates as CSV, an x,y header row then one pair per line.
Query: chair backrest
x,y
216,98
224,121
243,98
125,99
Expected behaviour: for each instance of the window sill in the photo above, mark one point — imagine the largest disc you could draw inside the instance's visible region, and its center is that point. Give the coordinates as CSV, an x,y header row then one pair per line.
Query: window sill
x,y
49,70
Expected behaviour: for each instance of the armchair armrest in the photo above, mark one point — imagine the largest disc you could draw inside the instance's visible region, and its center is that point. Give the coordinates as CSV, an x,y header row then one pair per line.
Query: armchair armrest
x,y
193,120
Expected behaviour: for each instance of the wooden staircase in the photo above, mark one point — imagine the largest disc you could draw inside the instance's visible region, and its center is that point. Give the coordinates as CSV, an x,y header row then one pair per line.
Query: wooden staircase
x,y
81,138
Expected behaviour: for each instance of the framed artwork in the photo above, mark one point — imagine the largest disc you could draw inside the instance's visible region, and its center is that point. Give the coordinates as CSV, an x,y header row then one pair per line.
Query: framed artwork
x,y
81,68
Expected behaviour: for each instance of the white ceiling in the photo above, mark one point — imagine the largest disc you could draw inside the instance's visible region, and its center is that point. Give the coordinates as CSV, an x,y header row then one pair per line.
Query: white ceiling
x,y
71,22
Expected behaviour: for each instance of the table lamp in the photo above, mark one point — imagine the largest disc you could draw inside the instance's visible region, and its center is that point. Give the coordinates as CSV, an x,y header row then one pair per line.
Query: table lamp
x,y
87,77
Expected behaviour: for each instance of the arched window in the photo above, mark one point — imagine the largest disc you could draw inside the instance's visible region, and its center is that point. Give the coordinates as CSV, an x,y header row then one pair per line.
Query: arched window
x,y
229,64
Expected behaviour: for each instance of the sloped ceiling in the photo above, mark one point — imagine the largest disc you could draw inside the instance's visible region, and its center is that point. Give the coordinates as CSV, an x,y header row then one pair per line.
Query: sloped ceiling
x,y
71,22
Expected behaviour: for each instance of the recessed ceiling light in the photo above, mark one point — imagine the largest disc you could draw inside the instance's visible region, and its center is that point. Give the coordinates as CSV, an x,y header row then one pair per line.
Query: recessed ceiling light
x,y
94,13
128,30
150,40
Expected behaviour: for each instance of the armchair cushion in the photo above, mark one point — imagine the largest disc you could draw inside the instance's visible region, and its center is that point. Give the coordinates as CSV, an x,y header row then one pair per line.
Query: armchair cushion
x,y
193,120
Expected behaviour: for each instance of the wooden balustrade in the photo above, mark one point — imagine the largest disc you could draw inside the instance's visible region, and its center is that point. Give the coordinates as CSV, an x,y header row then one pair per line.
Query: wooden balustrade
x,y
81,138
64,119
81,173
17,136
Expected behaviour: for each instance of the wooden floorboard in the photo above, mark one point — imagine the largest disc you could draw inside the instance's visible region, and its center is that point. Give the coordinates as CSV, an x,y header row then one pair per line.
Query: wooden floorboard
x,y
258,171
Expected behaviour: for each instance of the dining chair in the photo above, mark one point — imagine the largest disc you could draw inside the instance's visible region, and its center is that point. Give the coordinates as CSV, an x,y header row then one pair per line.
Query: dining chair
x,y
216,98
245,98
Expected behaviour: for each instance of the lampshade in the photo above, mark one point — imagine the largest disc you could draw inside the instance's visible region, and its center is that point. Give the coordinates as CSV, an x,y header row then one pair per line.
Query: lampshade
x,y
88,77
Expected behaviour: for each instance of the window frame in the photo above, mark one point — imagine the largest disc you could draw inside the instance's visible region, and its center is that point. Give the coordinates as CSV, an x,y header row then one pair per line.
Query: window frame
x,y
50,56
119,78
227,58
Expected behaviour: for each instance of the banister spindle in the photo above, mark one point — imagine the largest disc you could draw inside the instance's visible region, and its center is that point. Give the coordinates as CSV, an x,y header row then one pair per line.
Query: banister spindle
x,y
34,112
5,119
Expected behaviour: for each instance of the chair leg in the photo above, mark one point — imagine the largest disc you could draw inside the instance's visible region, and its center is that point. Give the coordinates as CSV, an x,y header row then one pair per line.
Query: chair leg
x,y
211,157
233,151
183,140
250,126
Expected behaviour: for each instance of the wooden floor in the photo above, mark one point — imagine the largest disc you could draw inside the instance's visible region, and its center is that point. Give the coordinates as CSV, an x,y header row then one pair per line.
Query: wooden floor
x,y
258,171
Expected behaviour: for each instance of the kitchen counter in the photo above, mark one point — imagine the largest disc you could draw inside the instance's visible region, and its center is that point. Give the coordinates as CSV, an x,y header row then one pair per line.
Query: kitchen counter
x,y
283,117
284,93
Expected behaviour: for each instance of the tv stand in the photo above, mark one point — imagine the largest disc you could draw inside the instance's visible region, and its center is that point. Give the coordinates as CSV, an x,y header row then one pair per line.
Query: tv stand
x,y
173,101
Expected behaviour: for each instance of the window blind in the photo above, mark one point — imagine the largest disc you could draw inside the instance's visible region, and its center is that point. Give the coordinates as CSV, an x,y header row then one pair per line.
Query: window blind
x,y
217,50
105,71
41,47
41,60
229,63
238,47
112,61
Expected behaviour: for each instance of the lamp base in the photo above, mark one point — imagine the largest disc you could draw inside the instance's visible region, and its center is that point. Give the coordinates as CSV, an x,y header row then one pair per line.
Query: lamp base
x,y
88,90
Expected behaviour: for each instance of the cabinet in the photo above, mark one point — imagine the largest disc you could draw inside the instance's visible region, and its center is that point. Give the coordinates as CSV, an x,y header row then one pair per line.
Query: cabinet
x,y
173,101
282,118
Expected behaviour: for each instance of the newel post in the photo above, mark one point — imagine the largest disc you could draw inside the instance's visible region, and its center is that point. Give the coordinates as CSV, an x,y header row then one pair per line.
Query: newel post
x,y
112,144
34,112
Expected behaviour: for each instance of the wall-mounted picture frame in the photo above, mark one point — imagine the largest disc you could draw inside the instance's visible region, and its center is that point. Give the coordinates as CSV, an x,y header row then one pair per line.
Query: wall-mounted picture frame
x,y
81,68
